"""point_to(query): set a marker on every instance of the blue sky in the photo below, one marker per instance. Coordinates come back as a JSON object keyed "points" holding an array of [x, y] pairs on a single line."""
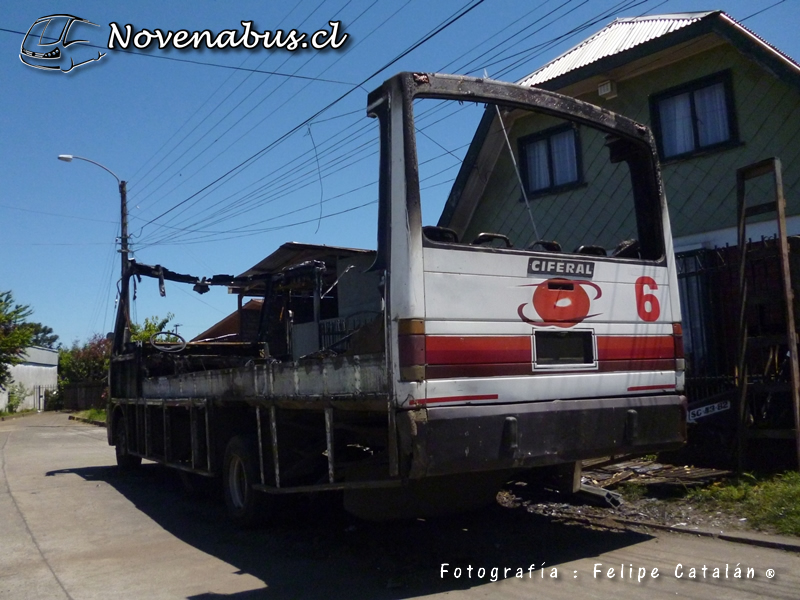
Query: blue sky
{"points": [[215, 183]]}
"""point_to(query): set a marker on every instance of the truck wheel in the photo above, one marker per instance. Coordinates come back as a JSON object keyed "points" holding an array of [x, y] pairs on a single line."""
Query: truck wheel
{"points": [[125, 460], [246, 506]]}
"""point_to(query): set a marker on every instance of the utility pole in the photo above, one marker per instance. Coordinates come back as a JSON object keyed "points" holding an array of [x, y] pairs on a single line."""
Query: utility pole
{"points": [[123, 314], [123, 238], [122, 309]]}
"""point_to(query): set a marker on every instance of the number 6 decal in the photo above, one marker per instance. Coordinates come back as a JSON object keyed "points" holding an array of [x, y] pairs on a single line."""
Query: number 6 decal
{"points": [[647, 304]]}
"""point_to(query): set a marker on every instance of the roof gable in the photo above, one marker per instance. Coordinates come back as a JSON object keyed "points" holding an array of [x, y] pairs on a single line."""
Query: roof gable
{"points": [[624, 40], [617, 37]]}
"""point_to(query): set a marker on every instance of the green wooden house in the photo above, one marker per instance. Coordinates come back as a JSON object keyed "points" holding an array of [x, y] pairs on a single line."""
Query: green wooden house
{"points": [[717, 98]]}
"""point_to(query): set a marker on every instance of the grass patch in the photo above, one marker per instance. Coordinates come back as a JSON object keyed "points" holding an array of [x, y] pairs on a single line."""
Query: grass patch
{"points": [[772, 502], [8, 413], [632, 492], [93, 414]]}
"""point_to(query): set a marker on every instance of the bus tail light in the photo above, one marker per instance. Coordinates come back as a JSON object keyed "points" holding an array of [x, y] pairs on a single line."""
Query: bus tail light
{"points": [[411, 346], [677, 338]]}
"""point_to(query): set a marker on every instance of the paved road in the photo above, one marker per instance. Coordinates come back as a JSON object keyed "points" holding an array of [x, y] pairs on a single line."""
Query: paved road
{"points": [[72, 527]]}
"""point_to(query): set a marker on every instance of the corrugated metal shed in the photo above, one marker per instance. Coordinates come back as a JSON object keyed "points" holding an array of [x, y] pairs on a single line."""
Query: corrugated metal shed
{"points": [[294, 253], [620, 35]]}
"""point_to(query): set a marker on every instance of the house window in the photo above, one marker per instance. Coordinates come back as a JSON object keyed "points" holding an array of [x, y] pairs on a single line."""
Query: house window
{"points": [[695, 117], [551, 159]]}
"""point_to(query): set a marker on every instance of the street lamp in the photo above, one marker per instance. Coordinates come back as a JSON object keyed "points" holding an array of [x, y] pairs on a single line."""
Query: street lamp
{"points": [[123, 196], [121, 327]]}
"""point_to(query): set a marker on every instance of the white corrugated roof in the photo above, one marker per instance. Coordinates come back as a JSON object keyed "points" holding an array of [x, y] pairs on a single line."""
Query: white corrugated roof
{"points": [[620, 35]]}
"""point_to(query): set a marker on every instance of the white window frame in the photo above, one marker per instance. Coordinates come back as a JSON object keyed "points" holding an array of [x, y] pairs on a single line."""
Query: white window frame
{"points": [[543, 170], [695, 117]]}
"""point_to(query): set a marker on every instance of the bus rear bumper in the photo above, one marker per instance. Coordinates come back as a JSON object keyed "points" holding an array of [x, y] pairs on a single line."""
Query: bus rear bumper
{"points": [[480, 437]]}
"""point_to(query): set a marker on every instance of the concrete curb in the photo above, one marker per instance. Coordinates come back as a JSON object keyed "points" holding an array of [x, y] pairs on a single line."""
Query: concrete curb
{"points": [[777, 542], [89, 421]]}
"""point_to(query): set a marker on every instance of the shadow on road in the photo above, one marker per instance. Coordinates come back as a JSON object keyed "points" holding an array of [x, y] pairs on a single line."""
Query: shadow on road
{"points": [[316, 550]]}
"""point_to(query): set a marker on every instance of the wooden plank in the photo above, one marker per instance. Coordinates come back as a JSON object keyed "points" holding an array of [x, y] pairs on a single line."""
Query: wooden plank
{"points": [[614, 479]]}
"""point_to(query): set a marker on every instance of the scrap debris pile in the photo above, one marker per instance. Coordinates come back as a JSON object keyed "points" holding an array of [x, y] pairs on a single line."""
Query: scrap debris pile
{"points": [[600, 504], [607, 473]]}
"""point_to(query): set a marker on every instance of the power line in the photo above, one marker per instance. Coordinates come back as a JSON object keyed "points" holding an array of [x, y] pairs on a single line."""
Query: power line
{"points": [[240, 212], [233, 68], [244, 201], [286, 16], [483, 57], [284, 189], [219, 121], [250, 198], [503, 31], [22, 244], [761, 11], [484, 54], [528, 54], [539, 48], [101, 302], [619, 6], [341, 212], [248, 161], [60, 215], [252, 128], [276, 217]]}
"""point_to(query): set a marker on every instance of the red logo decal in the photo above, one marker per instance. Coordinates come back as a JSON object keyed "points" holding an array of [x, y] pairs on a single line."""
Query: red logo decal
{"points": [[560, 302]]}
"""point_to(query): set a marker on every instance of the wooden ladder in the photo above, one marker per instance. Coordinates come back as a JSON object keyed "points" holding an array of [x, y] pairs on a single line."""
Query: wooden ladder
{"points": [[778, 205]]}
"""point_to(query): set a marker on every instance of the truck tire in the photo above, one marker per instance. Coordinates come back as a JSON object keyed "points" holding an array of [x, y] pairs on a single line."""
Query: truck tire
{"points": [[125, 460], [246, 506]]}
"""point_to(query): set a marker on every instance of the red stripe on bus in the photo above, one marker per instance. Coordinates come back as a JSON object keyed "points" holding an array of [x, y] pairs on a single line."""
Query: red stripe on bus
{"points": [[644, 388], [487, 350], [466, 350], [454, 399], [625, 347]]}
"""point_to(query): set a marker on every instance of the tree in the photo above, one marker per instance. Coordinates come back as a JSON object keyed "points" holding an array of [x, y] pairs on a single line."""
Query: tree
{"points": [[151, 326], [90, 361], [15, 333], [82, 363], [87, 362], [43, 336]]}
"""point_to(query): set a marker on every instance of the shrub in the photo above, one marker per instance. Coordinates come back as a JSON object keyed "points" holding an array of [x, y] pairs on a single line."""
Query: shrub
{"points": [[16, 396], [53, 400]]}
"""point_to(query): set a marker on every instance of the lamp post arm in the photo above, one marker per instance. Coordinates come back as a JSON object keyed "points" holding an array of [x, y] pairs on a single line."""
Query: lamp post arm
{"points": [[99, 165]]}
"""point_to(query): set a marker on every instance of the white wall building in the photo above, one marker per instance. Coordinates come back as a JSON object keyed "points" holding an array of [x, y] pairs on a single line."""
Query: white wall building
{"points": [[38, 372]]}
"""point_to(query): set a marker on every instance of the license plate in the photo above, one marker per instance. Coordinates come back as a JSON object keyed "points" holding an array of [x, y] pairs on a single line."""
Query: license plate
{"points": [[710, 409]]}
